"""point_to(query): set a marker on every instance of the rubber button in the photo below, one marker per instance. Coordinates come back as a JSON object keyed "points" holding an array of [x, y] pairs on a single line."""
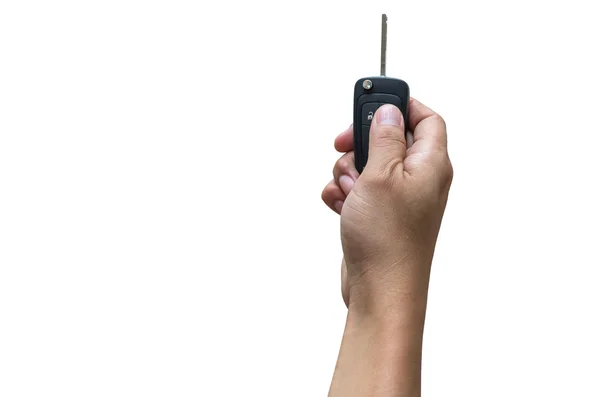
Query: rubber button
{"points": [[368, 112]]}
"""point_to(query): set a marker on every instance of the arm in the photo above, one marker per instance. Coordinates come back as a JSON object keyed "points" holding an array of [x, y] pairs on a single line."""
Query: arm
{"points": [[380, 353]]}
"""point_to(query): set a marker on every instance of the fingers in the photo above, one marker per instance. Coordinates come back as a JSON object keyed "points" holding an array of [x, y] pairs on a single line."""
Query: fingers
{"points": [[333, 197], [410, 139], [387, 143], [345, 173], [345, 141], [427, 126], [344, 177], [417, 112], [430, 144]]}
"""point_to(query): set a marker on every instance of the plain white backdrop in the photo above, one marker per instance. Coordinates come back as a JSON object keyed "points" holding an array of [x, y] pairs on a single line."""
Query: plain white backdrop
{"points": [[161, 165]]}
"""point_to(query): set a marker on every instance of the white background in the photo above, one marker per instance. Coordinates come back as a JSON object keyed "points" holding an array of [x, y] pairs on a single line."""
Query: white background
{"points": [[161, 165]]}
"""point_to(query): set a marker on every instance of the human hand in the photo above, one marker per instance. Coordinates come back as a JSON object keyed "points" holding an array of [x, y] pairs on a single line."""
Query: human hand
{"points": [[391, 215]]}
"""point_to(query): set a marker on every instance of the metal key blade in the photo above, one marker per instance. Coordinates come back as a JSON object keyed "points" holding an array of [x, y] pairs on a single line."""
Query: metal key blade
{"points": [[383, 42]]}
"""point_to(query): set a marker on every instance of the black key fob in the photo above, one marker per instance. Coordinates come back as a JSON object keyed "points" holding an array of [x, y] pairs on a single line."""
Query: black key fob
{"points": [[369, 94]]}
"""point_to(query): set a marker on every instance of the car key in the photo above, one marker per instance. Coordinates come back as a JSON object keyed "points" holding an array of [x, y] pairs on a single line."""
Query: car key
{"points": [[369, 94]]}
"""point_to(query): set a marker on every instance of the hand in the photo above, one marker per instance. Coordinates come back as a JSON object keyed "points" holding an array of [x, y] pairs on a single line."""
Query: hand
{"points": [[391, 215]]}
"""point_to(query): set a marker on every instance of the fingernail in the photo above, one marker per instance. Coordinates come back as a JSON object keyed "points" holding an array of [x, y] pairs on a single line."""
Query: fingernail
{"points": [[388, 115], [338, 206], [346, 183]]}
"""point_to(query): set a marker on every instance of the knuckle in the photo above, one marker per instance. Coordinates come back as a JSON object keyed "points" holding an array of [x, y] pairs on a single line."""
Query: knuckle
{"points": [[379, 179], [324, 194], [446, 168], [450, 173], [344, 164], [439, 119], [389, 132], [328, 192], [388, 136]]}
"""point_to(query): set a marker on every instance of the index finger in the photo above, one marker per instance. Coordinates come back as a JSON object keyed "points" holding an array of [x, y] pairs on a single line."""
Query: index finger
{"points": [[345, 141], [426, 125]]}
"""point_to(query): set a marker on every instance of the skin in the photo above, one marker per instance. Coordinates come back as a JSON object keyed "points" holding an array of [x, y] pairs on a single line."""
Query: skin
{"points": [[390, 220]]}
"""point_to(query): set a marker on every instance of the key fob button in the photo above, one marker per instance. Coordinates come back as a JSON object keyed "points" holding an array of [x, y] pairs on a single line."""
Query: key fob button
{"points": [[393, 100], [368, 111], [365, 141]]}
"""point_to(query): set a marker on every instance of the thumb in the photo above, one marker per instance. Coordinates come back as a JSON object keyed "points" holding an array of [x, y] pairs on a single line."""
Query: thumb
{"points": [[387, 142]]}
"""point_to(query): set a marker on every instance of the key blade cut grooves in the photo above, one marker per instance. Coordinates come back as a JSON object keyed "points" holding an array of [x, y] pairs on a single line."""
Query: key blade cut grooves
{"points": [[383, 42]]}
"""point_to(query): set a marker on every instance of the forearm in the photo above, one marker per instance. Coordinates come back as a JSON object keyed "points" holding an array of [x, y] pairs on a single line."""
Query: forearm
{"points": [[381, 349]]}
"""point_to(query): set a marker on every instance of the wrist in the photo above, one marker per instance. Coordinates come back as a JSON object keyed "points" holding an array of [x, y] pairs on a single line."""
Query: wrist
{"points": [[400, 320], [397, 295]]}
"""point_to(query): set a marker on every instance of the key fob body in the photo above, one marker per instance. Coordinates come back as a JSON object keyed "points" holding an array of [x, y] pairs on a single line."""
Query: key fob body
{"points": [[369, 94]]}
